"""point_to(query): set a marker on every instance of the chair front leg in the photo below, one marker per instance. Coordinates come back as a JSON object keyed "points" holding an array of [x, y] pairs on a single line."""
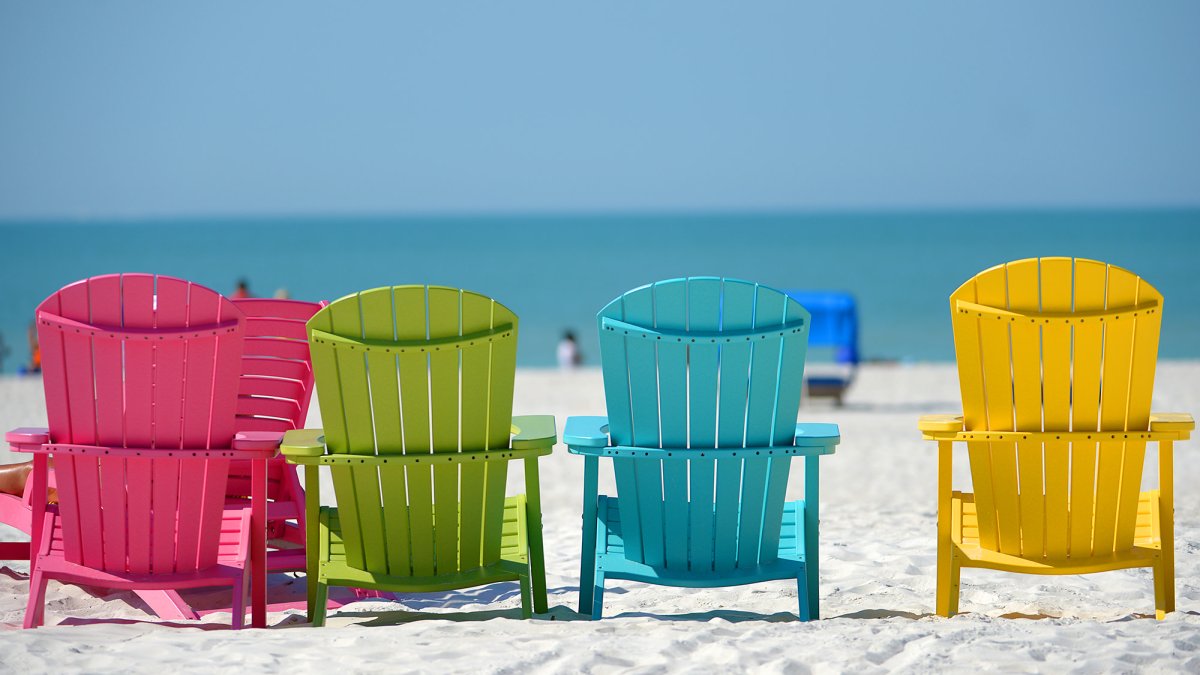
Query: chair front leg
{"points": [[312, 534], [812, 497], [1165, 587], [587, 556], [947, 572], [533, 519]]}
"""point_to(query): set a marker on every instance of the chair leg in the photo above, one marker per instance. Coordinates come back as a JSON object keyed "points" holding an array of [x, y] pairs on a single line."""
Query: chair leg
{"points": [[802, 595], [318, 605], [238, 608], [812, 594], [1164, 571], [598, 595], [533, 519], [588, 581], [310, 588], [812, 557], [35, 608], [1164, 589], [587, 557], [526, 597], [947, 584]]}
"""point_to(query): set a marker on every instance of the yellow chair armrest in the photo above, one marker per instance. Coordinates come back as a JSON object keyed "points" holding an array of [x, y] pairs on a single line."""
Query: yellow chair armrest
{"points": [[1171, 422], [942, 423]]}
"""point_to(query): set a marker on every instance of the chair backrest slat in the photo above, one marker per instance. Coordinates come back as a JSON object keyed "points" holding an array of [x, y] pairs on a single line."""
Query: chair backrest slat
{"points": [[276, 382], [120, 371], [1056, 344], [1056, 296], [693, 364]]}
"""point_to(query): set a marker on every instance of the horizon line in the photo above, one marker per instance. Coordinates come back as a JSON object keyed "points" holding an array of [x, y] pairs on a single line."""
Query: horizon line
{"points": [[61, 219]]}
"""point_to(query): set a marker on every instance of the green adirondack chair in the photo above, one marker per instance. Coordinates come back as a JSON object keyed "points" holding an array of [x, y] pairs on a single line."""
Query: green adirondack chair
{"points": [[415, 385], [702, 379]]}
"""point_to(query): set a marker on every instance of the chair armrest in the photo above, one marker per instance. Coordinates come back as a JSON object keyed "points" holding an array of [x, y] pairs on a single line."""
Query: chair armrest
{"points": [[1171, 422], [27, 439], [28, 436], [533, 431], [943, 423], [256, 440], [812, 434], [588, 432], [299, 443]]}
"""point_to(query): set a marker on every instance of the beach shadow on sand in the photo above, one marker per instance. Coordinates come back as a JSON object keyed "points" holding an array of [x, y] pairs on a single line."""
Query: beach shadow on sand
{"points": [[80, 621], [14, 574], [431, 606], [870, 614], [738, 616], [899, 407]]}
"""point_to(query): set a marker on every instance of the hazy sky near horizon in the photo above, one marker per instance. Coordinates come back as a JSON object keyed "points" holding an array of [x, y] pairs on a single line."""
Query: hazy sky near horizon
{"points": [[122, 109]]}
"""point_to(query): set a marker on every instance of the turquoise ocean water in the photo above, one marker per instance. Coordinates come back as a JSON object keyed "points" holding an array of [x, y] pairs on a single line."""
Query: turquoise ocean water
{"points": [[556, 271]]}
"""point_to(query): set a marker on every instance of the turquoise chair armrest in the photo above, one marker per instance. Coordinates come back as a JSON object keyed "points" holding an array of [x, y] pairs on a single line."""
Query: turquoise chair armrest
{"points": [[586, 431], [533, 431], [299, 444], [817, 434]]}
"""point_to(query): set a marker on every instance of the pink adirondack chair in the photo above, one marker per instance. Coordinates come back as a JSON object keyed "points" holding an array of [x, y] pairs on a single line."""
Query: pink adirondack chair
{"points": [[141, 379], [275, 391], [273, 396]]}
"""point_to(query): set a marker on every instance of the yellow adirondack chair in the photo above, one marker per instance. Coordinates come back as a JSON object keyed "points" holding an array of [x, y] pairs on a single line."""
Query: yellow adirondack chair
{"points": [[1056, 364]]}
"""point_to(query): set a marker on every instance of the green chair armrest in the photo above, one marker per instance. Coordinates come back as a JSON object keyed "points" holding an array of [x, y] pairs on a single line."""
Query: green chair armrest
{"points": [[533, 431], [300, 443]]}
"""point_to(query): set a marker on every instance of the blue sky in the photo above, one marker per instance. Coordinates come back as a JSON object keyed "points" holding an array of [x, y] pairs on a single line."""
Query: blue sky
{"points": [[122, 109]]}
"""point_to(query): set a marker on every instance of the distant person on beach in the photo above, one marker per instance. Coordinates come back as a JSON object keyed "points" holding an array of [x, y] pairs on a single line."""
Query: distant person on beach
{"points": [[242, 290], [569, 355], [35, 354], [282, 294]]}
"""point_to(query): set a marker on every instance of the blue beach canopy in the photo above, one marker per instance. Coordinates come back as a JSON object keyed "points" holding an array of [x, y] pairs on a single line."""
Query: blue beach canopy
{"points": [[834, 322]]}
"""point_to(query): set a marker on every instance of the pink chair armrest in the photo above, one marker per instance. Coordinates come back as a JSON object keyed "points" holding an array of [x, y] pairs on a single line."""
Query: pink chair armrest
{"points": [[257, 440], [35, 436]]}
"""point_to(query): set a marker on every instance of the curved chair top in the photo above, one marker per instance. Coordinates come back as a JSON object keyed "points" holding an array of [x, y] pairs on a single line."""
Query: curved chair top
{"points": [[140, 301], [399, 367], [140, 360], [1051, 287], [668, 305], [703, 362], [411, 313]]}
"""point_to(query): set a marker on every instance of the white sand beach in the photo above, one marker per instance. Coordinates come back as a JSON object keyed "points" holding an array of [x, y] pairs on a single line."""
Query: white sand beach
{"points": [[877, 581]]}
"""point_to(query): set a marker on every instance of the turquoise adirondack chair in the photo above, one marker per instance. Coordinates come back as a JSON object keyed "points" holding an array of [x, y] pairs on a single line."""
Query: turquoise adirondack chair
{"points": [[415, 385], [702, 378]]}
